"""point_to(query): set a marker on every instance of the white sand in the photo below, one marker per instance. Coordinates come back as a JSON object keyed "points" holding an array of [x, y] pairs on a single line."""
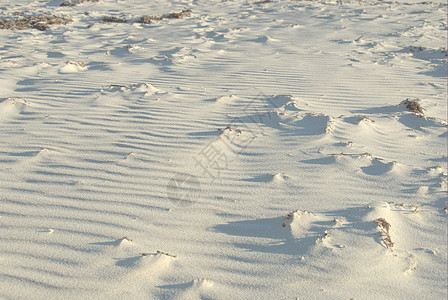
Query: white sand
{"points": [[114, 144]]}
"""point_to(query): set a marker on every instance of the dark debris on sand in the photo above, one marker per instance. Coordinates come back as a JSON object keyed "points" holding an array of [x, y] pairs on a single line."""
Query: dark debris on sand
{"points": [[412, 106], [113, 20], [33, 22], [73, 3], [148, 19]]}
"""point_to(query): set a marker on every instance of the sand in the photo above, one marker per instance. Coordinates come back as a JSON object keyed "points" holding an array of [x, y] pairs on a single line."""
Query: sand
{"points": [[225, 150]]}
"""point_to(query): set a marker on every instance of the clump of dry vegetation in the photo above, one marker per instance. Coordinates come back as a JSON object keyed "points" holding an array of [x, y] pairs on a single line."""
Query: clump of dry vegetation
{"points": [[145, 20], [183, 14], [34, 22], [73, 3], [413, 106], [384, 229], [113, 20], [148, 19]]}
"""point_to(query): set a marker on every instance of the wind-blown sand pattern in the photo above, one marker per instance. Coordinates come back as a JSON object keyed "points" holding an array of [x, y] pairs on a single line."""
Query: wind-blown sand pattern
{"points": [[223, 149]]}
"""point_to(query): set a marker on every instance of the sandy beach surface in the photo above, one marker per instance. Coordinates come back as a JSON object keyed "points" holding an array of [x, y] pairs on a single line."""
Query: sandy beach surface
{"points": [[213, 149]]}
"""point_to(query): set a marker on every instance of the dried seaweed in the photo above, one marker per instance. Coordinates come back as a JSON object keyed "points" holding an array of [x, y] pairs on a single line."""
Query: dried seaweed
{"points": [[73, 3], [148, 19], [183, 14], [413, 106], [113, 20], [145, 20], [384, 228], [34, 22]]}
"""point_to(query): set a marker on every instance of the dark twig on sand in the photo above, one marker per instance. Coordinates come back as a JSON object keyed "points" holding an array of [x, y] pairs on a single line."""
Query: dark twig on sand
{"points": [[159, 253]]}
